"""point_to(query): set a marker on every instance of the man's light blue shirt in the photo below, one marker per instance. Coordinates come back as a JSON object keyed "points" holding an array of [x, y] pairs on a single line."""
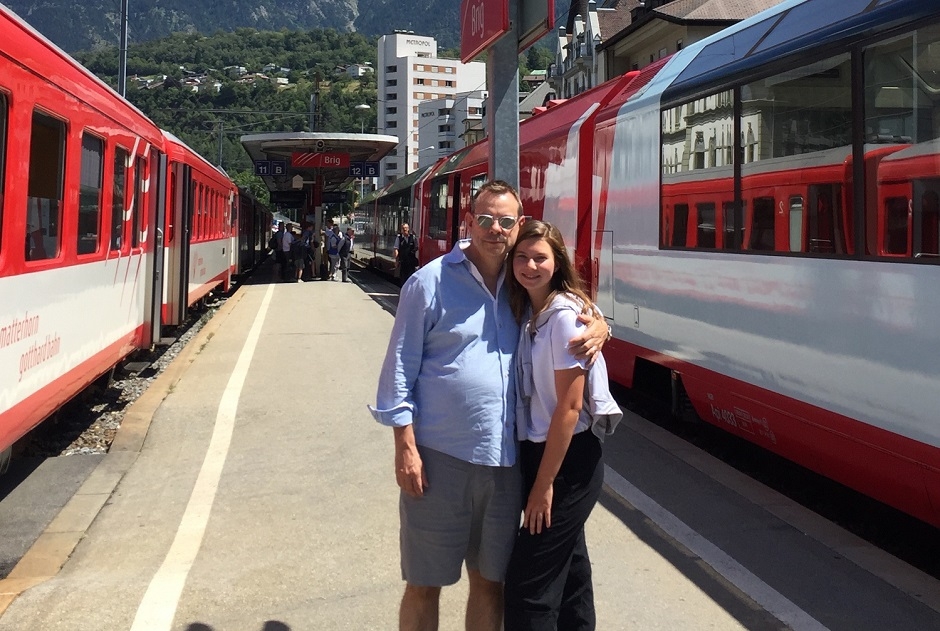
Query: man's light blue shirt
{"points": [[448, 369]]}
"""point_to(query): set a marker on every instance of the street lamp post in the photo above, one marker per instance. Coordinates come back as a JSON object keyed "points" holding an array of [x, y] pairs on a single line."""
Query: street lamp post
{"points": [[363, 110]]}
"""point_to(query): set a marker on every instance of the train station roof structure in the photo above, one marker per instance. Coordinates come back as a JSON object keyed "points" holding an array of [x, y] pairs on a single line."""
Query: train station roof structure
{"points": [[290, 162]]}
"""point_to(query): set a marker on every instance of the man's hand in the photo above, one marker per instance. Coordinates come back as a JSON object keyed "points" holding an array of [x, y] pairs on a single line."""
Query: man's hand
{"points": [[409, 468], [590, 342]]}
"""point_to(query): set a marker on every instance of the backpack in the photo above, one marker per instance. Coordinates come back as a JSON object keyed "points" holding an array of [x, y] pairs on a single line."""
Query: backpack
{"points": [[344, 248]]}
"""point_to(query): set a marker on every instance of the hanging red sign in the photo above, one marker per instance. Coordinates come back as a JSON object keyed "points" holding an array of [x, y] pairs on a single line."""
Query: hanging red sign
{"points": [[321, 159], [482, 22]]}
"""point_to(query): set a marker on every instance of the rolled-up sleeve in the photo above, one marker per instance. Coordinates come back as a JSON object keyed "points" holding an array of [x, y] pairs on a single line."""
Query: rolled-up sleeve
{"points": [[394, 402]]}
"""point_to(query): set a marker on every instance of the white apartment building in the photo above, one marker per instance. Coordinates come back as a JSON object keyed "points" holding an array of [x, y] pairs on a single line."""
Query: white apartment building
{"points": [[409, 73], [442, 123]]}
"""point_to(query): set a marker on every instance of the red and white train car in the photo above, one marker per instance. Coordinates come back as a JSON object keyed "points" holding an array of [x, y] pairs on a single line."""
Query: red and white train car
{"points": [[109, 229], [767, 203]]}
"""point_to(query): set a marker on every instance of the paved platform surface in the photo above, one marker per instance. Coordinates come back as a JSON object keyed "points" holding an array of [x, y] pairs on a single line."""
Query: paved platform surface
{"points": [[250, 490]]}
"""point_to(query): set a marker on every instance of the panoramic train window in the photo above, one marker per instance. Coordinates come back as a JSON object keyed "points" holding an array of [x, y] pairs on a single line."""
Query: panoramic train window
{"points": [[117, 198], [44, 196], [89, 194], [698, 174], [902, 123], [796, 130]]}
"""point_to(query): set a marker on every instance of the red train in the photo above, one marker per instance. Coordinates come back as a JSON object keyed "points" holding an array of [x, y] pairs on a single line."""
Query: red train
{"points": [[757, 216], [110, 229]]}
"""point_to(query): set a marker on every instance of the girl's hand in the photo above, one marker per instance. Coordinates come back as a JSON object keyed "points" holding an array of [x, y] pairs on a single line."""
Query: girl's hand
{"points": [[538, 510]]}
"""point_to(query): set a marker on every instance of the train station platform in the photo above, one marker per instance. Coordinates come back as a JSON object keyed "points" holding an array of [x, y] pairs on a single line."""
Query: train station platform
{"points": [[249, 489]]}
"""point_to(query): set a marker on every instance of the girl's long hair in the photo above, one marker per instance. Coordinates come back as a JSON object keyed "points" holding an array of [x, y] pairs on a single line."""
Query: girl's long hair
{"points": [[564, 280]]}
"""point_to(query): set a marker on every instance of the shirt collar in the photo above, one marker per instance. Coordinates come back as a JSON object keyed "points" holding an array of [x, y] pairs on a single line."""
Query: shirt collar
{"points": [[457, 256]]}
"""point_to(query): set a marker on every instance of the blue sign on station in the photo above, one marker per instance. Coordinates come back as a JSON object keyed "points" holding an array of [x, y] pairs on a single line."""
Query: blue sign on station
{"points": [[263, 167], [363, 169], [278, 167]]}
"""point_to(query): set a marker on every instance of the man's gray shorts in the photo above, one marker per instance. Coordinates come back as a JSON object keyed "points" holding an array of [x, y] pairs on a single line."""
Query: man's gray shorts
{"points": [[468, 513]]}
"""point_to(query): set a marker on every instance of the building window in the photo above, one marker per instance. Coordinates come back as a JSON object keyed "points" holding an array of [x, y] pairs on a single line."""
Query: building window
{"points": [[391, 82], [419, 81], [391, 124], [391, 68], [392, 166], [391, 110], [391, 96]]}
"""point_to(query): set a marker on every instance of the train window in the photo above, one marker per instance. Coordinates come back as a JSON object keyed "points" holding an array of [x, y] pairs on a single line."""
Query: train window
{"points": [[137, 208], [825, 220], [476, 184], [44, 197], [801, 111], [796, 223], [762, 225], [927, 227], [733, 223], [118, 189], [437, 214], [3, 152], [680, 225], [896, 225], [902, 79], [89, 194], [705, 235]]}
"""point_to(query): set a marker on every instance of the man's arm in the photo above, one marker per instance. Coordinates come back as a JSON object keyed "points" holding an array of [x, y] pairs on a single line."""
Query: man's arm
{"points": [[395, 405]]}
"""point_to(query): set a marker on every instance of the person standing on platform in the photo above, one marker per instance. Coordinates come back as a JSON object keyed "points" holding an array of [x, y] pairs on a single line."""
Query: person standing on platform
{"points": [[405, 252], [286, 242], [277, 246], [446, 388], [334, 240], [345, 251], [548, 582]]}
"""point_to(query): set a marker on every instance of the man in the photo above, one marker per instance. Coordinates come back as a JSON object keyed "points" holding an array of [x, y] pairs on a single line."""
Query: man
{"points": [[406, 253], [345, 251], [334, 240], [446, 388], [287, 240]]}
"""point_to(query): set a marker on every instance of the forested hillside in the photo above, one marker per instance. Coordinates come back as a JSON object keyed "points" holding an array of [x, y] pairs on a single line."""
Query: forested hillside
{"points": [[91, 24], [211, 90]]}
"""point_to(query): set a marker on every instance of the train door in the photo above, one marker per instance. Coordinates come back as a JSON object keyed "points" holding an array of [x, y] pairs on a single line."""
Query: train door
{"points": [[157, 223], [456, 216], [176, 253]]}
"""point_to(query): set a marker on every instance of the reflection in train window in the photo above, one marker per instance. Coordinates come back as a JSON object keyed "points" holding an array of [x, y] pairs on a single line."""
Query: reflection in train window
{"points": [[895, 233], [680, 225], [733, 220], [117, 198], [825, 220], [927, 226], [44, 196], [762, 225], [796, 224], [89, 194], [705, 235]]}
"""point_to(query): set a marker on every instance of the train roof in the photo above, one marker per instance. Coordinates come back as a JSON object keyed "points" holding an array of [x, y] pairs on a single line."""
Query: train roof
{"points": [[66, 59], [791, 30]]}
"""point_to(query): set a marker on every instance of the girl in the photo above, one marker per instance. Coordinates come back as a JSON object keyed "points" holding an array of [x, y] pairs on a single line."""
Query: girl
{"points": [[548, 584]]}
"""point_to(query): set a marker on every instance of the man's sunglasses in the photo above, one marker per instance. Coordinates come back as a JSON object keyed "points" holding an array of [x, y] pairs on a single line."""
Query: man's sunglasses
{"points": [[486, 221]]}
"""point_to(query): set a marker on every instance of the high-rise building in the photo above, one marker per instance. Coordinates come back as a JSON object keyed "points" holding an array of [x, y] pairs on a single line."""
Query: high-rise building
{"points": [[409, 73]]}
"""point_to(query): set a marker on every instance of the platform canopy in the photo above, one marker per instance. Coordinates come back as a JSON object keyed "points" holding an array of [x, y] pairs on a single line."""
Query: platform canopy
{"points": [[333, 157]]}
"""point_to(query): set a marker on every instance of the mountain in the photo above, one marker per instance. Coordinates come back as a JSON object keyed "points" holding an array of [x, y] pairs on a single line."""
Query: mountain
{"points": [[92, 24]]}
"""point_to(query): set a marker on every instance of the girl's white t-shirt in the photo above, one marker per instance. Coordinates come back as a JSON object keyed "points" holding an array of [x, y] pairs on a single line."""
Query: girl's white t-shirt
{"points": [[550, 353]]}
